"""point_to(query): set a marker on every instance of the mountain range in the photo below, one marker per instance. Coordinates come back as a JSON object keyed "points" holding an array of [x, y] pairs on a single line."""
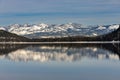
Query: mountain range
{"points": [[59, 30]]}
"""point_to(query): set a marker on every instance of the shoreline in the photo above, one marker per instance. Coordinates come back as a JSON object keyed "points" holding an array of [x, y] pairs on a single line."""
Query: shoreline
{"points": [[78, 42]]}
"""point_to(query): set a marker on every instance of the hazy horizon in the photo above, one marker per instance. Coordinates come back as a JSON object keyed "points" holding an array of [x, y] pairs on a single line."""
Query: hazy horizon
{"points": [[59, 11]]}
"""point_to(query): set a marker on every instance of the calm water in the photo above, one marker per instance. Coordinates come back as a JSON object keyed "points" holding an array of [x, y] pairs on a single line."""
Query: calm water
{"points": [[60, 62]]}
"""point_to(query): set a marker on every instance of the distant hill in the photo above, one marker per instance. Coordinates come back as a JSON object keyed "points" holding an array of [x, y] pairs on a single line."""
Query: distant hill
{"points": [[10, 37], [113, 36], [59, 30]]}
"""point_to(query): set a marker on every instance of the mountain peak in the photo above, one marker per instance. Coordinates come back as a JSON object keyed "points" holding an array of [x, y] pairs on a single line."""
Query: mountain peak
{"points": [[59, 30], [2, 28], [43, 25]]}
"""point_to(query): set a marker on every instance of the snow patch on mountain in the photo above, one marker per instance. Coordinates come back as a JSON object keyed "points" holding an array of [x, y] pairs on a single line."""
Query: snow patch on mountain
{"points": [[2, 28], [59, 30], [114, 27], [101, 27]]}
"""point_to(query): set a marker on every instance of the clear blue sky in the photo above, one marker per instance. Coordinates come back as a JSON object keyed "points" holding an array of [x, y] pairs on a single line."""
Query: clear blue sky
{"points": [[59, 11]]}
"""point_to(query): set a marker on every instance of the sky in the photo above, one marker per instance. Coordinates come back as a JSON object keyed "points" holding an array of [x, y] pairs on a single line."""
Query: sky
{"points": [[59, 11]]}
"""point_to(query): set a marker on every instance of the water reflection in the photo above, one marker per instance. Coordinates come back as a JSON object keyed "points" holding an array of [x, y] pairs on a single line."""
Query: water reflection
{"points": [[63, 52]]}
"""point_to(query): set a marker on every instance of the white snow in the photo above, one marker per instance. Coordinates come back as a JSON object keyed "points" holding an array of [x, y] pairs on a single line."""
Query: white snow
{"points": [[2, 28], [58, 30], [114, 27], [101, 27], [94, 34]]}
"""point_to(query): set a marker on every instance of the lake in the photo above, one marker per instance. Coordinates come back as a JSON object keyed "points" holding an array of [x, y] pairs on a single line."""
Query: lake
{"points": [[60, 62]]}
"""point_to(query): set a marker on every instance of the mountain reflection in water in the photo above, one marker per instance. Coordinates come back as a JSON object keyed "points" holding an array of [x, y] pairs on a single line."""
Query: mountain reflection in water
{"points": [[63, 52]]}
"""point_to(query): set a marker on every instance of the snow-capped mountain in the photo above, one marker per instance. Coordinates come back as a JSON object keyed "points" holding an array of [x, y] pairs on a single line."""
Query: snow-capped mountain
{"points": [[59, 30], [2, 28]]}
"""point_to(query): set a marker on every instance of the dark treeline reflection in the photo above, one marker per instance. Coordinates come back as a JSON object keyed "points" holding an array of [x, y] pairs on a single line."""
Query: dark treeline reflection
{"points": [[59, 52], [7, 48]]}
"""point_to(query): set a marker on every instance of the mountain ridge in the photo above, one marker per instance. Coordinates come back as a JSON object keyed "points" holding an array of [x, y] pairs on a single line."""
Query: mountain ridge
{"points": [[11, 37], [59, 30]]}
